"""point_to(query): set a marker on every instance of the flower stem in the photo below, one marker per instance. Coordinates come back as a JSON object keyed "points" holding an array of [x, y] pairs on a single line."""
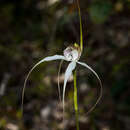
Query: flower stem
{"points": [[76, 102], [81, 30]]}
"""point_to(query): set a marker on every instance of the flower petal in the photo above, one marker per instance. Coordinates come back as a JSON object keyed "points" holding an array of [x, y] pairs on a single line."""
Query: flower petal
{"points": [[55, 57], [85, 65], [68, 73], [49, 58], [59, 91]]}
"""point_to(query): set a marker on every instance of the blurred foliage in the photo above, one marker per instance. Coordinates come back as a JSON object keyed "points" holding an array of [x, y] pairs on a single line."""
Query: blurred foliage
{"points": [[100, 11], [33, 29]]}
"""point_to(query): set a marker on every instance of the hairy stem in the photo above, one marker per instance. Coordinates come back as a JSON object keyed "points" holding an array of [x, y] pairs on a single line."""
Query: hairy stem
{"points": [[76, 102]]}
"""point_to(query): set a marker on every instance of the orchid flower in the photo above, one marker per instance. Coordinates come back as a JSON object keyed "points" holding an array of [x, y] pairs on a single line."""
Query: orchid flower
{"points": [[71, 54]]}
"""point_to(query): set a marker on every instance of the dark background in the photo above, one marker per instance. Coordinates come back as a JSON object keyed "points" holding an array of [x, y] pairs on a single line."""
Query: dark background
{"points": [[33, 29]]}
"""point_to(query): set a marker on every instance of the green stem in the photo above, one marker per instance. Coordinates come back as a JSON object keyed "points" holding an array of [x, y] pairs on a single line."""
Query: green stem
{"points": [[81, 32], [76, 102]]}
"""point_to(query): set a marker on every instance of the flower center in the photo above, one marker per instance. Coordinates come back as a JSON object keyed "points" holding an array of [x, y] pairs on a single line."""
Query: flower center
{"points": [[72, 53]]}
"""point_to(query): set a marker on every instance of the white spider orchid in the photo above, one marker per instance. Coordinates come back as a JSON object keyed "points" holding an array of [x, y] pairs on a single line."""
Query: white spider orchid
{"points": [[71, 54]]}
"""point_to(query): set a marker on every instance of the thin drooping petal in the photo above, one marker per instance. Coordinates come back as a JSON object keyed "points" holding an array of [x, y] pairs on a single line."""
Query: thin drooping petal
{"points": [[68, 73], [59, 91], [49, 58], [85, 65]]}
